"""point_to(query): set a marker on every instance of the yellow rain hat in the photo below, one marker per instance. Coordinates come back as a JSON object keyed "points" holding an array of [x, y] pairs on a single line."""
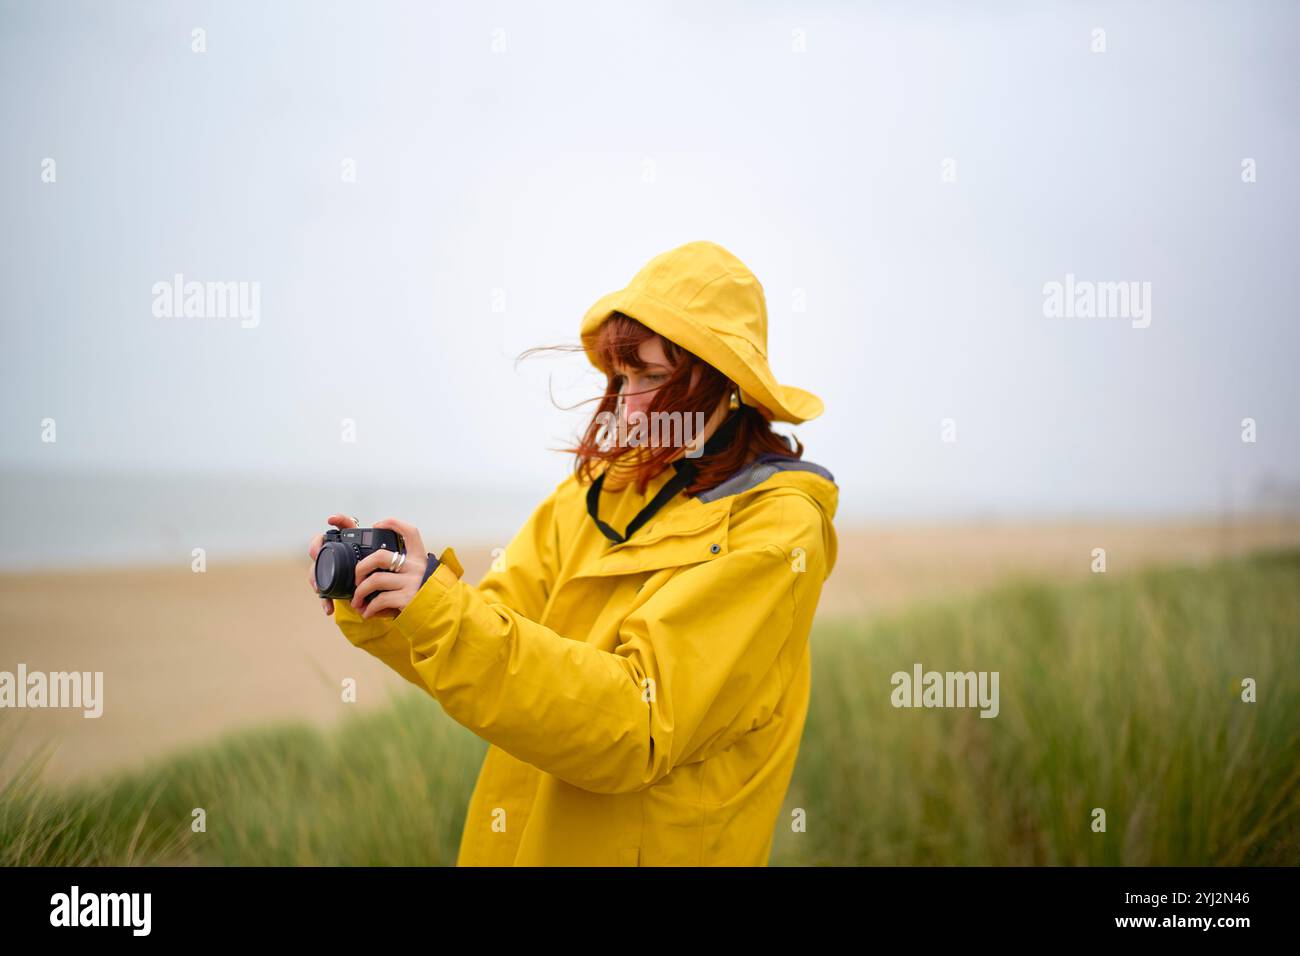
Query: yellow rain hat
{"points": [[702, 298]]}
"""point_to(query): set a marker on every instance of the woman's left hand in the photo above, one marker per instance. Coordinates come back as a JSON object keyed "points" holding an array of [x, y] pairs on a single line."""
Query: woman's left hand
{"points": [[395, 590]]}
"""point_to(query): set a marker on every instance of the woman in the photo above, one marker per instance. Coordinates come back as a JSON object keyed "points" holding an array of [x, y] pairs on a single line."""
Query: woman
{"points": [[639, 662]]}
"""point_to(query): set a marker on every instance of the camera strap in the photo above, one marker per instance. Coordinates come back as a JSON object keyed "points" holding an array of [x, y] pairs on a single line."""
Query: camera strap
{"points": [[686, 468]]}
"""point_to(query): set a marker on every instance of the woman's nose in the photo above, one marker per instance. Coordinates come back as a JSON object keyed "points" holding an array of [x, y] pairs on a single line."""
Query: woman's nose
{"points": [[638, 402]]}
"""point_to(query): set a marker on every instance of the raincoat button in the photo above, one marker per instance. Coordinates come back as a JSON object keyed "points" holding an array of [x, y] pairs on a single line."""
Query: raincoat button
{"points": [[714, 548]]}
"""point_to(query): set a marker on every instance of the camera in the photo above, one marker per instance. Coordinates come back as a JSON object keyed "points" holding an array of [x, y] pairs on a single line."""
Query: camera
{"points": [[342, 550]]}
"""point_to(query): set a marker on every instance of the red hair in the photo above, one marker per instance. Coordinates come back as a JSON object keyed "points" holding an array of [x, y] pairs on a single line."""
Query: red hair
{"points": [[618, 341]]}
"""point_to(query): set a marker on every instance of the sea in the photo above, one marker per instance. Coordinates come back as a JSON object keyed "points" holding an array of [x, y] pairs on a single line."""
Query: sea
{"points": [[118, 519]]}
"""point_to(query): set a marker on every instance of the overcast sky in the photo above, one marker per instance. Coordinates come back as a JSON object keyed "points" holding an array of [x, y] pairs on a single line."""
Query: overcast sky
{"points": [[902, 178]]}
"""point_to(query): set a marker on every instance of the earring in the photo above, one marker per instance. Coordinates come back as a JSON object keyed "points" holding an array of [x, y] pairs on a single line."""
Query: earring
{"points": [[735, 399]]}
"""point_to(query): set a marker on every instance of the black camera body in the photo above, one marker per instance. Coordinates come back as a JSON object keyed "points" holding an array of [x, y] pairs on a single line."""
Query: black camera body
{"points": [[341, 552]]}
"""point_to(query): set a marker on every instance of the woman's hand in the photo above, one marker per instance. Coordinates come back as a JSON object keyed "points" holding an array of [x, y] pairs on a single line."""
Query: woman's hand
{"points": [[393, 591], [396, 589], [313, 549]]}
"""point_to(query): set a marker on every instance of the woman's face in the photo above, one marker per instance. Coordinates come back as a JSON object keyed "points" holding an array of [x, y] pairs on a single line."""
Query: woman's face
{"points": [[646, 381]]}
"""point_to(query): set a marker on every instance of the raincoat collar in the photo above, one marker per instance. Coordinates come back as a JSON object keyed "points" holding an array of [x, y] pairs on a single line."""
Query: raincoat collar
{"points": [[689, 532], [685, 470], [697, 529]]}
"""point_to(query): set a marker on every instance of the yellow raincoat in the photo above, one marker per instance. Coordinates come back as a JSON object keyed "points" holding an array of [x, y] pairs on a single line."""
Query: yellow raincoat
{"points": [[644, 700]]}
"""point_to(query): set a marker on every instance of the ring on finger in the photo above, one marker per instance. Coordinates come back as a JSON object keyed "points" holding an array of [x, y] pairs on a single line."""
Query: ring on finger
{"points": [[401, 562]]}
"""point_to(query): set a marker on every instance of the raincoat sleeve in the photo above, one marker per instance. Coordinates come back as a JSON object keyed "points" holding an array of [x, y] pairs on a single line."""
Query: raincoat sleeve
{"points": [[687, 662], [520, 578]]}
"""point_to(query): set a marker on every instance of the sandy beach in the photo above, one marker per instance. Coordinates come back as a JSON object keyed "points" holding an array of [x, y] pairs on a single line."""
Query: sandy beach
{"points": [[188, 656]]}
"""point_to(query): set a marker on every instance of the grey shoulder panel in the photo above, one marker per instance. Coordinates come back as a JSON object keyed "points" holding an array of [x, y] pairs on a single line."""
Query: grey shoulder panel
{"points": [[758, 472]]}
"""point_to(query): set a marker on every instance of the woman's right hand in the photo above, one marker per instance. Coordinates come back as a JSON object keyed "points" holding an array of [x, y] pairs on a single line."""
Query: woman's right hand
{"points": [[313, 549]]}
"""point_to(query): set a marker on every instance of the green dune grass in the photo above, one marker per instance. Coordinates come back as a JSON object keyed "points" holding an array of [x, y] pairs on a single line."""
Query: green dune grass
{"points": [[1119, 693]]}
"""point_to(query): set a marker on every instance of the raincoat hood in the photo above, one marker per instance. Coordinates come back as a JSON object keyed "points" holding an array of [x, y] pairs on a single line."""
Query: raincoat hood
{"points": [[704, 299]]}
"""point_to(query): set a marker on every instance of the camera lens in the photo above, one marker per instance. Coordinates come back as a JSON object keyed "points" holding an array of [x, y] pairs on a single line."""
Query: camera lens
{"points": [[335, 571]]}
